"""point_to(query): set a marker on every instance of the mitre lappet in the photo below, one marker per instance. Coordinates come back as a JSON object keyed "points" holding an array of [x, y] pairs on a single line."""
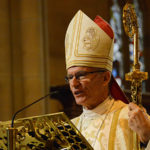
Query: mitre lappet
{"points": [[90, 43]]}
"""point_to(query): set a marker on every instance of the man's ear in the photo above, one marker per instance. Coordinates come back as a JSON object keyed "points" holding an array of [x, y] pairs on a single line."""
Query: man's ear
{"points": [[107, 77]]}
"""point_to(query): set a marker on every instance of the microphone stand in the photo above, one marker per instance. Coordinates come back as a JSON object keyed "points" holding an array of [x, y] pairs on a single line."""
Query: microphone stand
{"points": [[12, 131], [11, 138]]}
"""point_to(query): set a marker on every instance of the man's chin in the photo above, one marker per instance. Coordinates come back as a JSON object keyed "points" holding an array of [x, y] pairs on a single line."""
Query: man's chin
{"points": [[80, 101]]}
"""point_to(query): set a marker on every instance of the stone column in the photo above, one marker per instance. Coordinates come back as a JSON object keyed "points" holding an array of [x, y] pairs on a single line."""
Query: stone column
{"points": [[24, 58], [6, 95]]}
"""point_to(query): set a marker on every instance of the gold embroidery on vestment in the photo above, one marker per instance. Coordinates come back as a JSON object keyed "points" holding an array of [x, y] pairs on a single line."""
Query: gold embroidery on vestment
{"points": [[112, 134]]}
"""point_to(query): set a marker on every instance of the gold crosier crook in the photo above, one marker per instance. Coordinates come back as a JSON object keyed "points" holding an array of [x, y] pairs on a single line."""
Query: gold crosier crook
{"points": [[135, 76]]}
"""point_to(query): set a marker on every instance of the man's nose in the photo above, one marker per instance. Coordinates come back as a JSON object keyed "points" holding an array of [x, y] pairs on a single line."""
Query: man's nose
{"points": [[74, 82]]}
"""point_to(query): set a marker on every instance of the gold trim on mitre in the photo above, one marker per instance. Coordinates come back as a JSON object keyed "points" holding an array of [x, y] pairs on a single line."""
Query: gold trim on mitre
{"points": [[87, 44]]}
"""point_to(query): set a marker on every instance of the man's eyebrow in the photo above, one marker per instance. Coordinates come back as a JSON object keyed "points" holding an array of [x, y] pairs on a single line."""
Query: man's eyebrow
{"points": [[70, 74], [80, 71]]}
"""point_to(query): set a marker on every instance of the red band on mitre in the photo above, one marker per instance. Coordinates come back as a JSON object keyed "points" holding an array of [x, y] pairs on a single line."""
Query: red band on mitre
{"points": [[104, 26], [115, 89]]}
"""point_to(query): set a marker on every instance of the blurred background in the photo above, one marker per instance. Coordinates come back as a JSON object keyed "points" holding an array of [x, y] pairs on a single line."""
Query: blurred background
{"points": [[32, 60]]}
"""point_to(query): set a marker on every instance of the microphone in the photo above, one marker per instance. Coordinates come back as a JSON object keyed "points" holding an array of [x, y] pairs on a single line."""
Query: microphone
{"points": [[36, 101]]}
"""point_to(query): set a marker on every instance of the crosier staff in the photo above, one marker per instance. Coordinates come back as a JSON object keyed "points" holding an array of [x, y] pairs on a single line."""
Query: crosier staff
{"points": [[135, 76]]}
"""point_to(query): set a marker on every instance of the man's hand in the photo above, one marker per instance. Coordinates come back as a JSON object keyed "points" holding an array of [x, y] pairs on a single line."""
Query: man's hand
{"points": [[139, 122]]}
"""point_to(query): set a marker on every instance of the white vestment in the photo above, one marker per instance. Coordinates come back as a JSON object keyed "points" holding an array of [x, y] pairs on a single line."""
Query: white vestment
{"points": [[106, 126]]}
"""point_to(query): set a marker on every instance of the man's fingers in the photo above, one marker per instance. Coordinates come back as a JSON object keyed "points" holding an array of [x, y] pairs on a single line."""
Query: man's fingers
{"points": [[132, 106]]}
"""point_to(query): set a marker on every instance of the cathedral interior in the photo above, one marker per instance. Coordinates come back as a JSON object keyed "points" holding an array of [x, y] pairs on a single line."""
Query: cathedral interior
{"points": [[32, 52]]}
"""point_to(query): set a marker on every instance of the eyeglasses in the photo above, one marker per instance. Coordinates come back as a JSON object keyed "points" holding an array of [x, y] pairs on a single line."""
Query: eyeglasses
{"points": [[81, 75]]}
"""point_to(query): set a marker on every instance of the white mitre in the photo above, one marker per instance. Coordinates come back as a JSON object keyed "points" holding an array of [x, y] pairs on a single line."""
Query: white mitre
{"points": [[89, 43]]}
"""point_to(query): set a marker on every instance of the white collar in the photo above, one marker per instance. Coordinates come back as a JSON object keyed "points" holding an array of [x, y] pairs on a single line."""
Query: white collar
{"points": [[100, 109]]}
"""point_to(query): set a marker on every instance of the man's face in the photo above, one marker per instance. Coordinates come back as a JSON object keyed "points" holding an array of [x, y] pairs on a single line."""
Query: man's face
{"points": [[89, 89]]}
